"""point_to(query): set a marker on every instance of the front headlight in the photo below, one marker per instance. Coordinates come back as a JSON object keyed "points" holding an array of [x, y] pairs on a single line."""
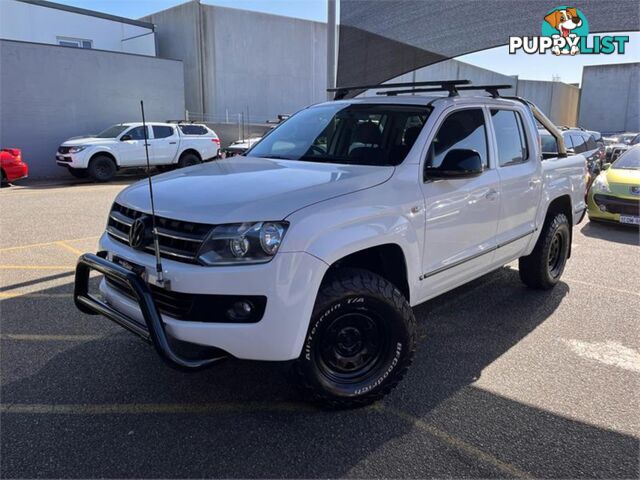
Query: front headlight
{"points": [[77, 148], [601, 185], [239, 243]]}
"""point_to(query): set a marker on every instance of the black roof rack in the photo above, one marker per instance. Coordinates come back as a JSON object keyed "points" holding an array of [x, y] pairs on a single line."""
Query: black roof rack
{"points": [[453, 91], [182, 121], [448, 85]]}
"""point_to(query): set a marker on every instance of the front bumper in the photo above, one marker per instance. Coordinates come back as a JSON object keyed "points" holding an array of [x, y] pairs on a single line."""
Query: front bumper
{"points": [[72, 160], [628, 207], [289, 282]]}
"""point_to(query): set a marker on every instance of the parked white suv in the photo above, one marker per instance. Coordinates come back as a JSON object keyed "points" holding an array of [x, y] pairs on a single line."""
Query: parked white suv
{"points": [[122, 146], [316, 244]]}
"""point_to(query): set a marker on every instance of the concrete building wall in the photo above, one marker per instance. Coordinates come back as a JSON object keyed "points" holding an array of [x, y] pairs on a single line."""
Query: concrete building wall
{"points": [[610, 100], [559, 101], [49, 94], [177, 35], [41, 24], [237, 60]]}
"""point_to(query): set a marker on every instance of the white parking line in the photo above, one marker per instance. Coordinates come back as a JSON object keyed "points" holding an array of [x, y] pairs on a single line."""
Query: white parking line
{"points": [[609, 353]]}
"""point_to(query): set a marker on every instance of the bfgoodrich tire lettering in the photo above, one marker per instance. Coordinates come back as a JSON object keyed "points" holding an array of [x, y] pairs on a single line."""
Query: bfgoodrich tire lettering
{"points": [[360, 341]]}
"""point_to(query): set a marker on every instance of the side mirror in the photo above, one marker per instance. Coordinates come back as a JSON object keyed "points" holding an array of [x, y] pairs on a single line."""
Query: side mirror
{"points": [[126, 137], [606, 166], [570, 151], [457, 163]]}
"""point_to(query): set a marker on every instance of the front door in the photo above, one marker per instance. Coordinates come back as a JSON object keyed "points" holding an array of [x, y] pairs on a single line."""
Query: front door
{"points": [[132, 151], [461, 214]]}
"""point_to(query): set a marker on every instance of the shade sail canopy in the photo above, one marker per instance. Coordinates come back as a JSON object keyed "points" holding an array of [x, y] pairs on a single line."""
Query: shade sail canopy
{"points": [[380, 40]]}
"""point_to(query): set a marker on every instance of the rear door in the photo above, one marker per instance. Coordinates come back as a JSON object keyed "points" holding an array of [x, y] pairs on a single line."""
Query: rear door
{"points": [[520, 172], [164, 144], [131, 148], [461, 214]]}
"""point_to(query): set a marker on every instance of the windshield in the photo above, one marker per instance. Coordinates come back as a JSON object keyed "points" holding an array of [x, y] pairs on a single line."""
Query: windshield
{"points": [[629, 160], [627, 139], [360, 134], [112, 132]]}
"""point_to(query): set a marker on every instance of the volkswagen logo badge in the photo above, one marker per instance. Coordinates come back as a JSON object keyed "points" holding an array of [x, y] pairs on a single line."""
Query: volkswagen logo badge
{"points": [[635, 190], [139, 233]]}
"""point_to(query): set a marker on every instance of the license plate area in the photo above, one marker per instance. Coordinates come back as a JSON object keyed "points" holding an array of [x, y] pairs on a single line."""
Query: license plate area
{"points": [[629, 220], [139, 270]]}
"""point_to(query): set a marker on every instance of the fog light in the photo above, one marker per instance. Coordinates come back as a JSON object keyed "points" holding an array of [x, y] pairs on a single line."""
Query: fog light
{"points": [[602, 208], [240, 311]]}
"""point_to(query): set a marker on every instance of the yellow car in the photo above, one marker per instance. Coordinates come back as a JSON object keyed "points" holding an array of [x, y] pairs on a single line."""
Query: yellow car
{"points": [[615, 193]]}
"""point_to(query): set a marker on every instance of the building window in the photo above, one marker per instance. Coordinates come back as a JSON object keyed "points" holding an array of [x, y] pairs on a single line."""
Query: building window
{"points": [[74, 42]]}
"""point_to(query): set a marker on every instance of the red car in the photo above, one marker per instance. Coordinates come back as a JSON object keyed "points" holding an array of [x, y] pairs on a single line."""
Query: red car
{"points": [[13, 168]]}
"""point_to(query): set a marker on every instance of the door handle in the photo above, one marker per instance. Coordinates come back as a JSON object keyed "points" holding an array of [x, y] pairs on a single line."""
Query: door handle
{"points": [[172, 143], [533, 182], [492, 194], [147, 144]]}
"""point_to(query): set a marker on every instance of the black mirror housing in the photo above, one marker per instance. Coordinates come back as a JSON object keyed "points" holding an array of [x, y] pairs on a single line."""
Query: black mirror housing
{"points": [[457, 163], [125, 137]]}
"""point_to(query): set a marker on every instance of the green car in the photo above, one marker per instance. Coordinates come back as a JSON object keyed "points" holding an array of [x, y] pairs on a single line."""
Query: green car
{"points": [[615, 193]]}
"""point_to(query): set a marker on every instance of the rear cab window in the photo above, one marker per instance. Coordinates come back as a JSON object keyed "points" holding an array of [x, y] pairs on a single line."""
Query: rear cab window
{"points": [[511, 138], [162, 131]]}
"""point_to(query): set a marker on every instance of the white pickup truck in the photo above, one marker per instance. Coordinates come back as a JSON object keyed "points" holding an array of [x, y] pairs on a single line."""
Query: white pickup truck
{"points": [[122, 146], [317, 243]]}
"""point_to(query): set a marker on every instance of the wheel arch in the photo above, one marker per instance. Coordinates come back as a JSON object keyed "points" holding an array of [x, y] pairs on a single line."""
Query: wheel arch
{"points": [[104, 153], [561, 204], [190, 150], [387, 260]]}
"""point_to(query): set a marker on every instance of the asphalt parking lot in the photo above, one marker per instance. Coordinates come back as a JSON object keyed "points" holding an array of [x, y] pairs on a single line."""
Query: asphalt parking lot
{"points": [[507, 382]]}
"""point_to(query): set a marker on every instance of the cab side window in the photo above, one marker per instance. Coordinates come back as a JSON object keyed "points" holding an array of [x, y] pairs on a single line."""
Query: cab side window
{"points": [[137, 133], [464, 129], [579, 144], [591, 143], [161, 131], [510, 137]]}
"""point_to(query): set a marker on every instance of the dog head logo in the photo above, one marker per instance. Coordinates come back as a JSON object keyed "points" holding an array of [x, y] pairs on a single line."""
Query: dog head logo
{"points": [[567, 23], [564, 20]]}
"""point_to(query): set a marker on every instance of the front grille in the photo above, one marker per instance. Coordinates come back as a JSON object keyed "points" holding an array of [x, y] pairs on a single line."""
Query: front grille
{"points": [[175, 304], [64, 150], [198, 307], [618, 205], [179, 241]]}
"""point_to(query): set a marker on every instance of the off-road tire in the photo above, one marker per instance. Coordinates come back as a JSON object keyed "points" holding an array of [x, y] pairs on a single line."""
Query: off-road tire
{"points": [[361, 298], [102, 168], [188, 160], [543, 268], [78, 172]]}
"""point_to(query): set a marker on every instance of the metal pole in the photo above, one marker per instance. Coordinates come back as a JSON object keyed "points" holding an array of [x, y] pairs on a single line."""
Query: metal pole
{"points": [[331, 46]]}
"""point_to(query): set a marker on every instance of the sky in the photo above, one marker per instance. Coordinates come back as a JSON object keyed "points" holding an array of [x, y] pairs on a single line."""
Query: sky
{"points": [[531, 67]]}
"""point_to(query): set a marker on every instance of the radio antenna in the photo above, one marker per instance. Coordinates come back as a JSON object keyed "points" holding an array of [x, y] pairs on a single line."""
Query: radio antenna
{"points": [[156, 243]]}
